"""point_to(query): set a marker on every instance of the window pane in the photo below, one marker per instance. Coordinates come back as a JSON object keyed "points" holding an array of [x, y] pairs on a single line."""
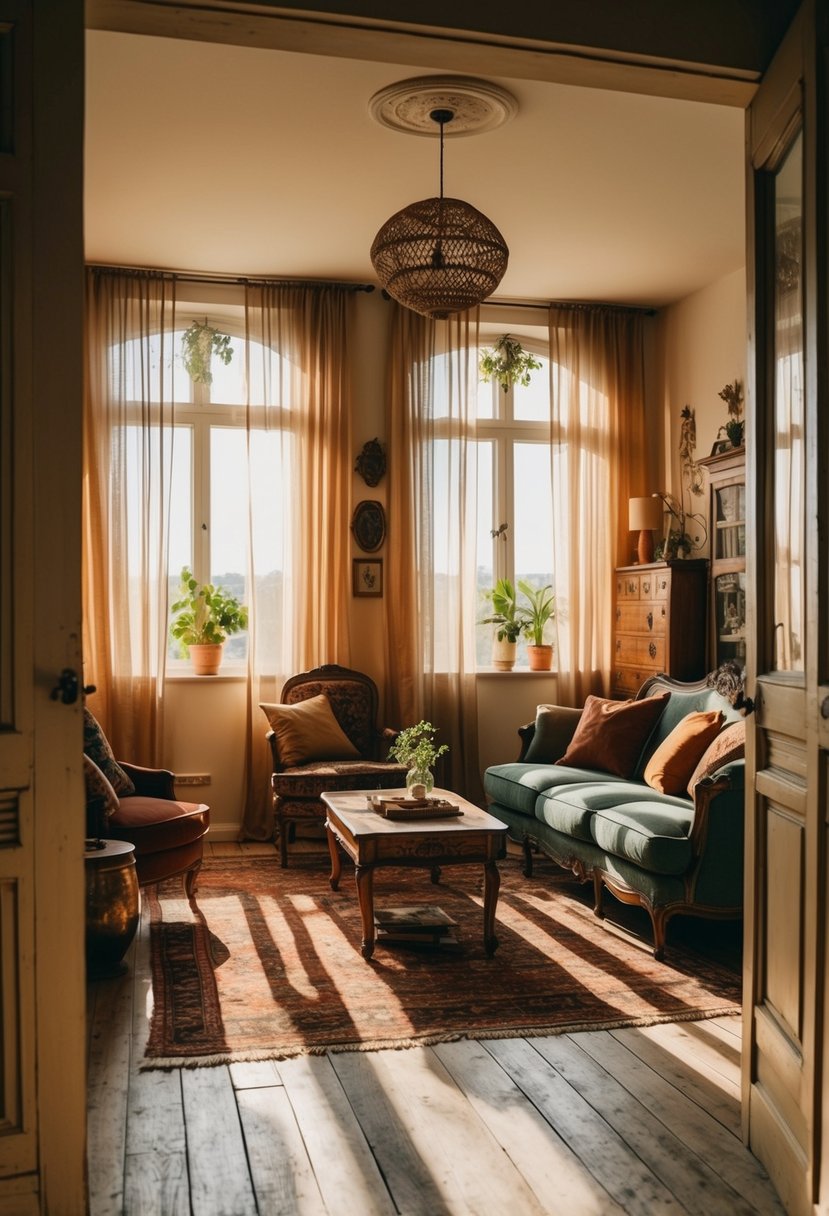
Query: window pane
{"points": [[228, 386], [486, 399], [533, 514], [143, 370], [789, 415], [532, 403], [486, 543]]}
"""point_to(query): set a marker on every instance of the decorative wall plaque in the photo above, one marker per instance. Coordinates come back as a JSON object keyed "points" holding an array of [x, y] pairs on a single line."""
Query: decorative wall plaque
{"points": [[368, 524], [371, 463]]}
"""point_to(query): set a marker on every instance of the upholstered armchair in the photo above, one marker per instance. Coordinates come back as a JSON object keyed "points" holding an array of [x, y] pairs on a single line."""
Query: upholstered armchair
{"points": [[139, 805], [324, 736]]}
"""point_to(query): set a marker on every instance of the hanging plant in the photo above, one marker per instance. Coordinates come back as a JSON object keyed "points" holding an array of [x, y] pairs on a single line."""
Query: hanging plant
{"points": [[508, 362], [199, 343]]}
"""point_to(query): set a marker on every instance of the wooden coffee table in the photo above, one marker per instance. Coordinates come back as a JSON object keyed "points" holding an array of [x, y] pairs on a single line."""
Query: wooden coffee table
{"points": [[370, 841]]}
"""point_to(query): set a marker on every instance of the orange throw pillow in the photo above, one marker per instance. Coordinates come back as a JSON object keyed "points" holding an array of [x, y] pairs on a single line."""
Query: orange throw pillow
{"points": [[678, 755], [308, 730], [611, 734]]}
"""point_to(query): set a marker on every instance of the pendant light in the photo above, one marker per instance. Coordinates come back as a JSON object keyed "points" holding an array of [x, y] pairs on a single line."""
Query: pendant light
{"points": [[441, 255]]}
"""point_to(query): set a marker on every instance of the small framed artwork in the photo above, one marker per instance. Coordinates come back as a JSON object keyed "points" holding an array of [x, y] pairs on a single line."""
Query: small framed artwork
{"points": [[367, 576]]}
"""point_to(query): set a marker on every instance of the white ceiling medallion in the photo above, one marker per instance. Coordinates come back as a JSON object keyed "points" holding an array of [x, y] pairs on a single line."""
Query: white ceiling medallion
{"points": [[476, 105]]}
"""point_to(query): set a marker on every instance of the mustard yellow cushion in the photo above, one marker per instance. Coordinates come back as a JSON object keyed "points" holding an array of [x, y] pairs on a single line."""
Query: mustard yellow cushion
{"points": [[308, 731], [611, 734], [671, 765], [730, 744]]}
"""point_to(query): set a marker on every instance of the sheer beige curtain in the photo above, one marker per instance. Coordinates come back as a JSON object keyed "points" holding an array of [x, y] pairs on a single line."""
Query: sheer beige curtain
{"points": [[431, 603], [298, 461], [599, 461], [128, 452]]}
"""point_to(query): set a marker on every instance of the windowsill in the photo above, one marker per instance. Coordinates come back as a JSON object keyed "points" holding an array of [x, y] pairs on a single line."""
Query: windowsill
{"points": [[516, 671], [187, 677]]}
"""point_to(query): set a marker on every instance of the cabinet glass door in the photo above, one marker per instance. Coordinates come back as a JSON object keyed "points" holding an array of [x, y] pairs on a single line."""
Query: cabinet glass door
{"points": [[730, 616], [730, 521]]}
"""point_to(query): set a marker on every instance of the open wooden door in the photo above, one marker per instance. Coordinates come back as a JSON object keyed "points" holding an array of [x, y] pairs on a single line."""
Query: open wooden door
{"points": [[42, 1031], [788, 499]]}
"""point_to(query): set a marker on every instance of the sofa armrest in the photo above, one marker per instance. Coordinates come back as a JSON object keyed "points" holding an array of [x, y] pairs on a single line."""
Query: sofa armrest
{"points": [[721, 791], [150, 782]]}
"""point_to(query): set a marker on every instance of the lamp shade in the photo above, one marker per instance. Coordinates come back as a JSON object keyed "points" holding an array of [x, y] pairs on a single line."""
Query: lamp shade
{"points": [[439, 256], [644, 514]]}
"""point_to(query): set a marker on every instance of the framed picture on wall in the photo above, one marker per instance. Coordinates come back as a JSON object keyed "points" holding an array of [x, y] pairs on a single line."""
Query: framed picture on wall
{"points": [[367, 576]]}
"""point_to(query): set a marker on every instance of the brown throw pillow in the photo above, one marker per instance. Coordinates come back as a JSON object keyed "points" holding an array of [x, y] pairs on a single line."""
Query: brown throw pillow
{"points": [[611, 734], [554, 728], [677, 756], [308, 731], [730, 744]]}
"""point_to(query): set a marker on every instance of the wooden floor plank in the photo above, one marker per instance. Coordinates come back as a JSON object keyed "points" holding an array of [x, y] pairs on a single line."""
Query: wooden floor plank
{"points": [[343, 1164], [156, 1183], [282, 1175], [556, 1175], [256, 1074], [110, 1048], [434, 1152], [725, 1153], [220, 1183], [644, 1109], [695, 1078], [709, 1044], [601, 1149]]}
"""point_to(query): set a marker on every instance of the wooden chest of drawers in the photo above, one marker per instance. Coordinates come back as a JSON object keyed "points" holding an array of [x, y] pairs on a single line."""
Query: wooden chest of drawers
{"points": [[660, 620]]}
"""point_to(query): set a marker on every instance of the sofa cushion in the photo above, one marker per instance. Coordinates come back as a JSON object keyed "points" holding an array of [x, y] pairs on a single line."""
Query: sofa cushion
{"points": [[308, 731], [96, 746], [729, 744], [570, 808], [653, 834], [155, 825], [611, 734], [311, 780], [518, 785], [555, 726], [676, 757]]}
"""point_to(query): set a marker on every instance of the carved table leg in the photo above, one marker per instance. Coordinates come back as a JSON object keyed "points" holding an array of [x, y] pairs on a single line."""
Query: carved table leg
{"points": [[336, 860], [492, 884], [364, 876]]}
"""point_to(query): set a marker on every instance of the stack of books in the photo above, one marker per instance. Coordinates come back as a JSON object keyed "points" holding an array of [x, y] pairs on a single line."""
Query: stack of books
{"points": [[415, 925]]}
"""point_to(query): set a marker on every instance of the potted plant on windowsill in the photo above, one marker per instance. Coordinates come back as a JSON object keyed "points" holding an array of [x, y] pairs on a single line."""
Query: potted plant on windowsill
{"points": [[542, 609], [508, 619], [204, 616]]}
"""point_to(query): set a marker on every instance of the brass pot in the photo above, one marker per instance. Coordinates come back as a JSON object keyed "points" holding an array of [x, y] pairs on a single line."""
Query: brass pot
{"points": [[112, 905]]}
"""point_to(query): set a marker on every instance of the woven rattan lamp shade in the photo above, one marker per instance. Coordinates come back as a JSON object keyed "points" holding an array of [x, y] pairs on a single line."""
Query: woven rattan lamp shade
{"points": [[439, 256]]}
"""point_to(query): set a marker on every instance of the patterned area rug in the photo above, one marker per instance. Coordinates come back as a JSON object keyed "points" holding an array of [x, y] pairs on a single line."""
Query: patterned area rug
{"points": [[270, 966]]}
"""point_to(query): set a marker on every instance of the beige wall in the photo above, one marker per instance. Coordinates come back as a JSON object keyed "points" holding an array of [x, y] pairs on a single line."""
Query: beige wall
{"points": [[701, 347], [692, 350]]}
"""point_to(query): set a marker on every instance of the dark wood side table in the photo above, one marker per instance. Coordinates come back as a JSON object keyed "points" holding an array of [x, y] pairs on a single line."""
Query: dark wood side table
{"points": [[370, 841]]}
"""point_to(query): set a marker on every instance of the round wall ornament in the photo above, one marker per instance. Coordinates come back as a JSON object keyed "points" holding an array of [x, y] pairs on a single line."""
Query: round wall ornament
{"points": [[368, 524]]}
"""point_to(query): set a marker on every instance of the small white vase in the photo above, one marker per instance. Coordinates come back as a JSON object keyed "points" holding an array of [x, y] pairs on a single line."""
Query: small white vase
{"points": [[503, 654]]}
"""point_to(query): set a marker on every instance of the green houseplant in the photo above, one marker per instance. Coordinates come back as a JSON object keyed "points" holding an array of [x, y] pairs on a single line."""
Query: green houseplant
{"points": [[541, 610], [732, 395], [204, 616], [415, 746], [508, 619], [508, 362], [199, 342]]}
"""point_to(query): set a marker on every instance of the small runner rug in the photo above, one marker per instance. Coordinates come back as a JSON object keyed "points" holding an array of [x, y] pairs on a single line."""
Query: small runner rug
{"points": [[269, 965]]}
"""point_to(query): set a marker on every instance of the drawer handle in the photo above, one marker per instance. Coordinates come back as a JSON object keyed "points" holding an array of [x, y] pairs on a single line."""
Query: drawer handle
{"points": [[631, 586], [649, 619], [618, 614], [646, 587], [619, 647], [652, 650], [663, 613]]}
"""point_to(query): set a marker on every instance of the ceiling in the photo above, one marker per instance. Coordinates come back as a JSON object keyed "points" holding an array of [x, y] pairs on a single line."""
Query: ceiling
{"points": [[247, 161]]}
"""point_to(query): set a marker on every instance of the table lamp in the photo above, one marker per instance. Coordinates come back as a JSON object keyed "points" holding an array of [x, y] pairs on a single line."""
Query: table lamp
{"points": [[644, 516]]}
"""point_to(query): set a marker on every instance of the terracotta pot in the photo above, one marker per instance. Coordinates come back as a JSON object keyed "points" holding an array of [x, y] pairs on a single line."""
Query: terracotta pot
{"points": [[206, 659], [541, 658], [503, 654]]}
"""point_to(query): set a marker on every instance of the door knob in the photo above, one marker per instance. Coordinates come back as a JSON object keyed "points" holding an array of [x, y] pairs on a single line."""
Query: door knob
{"points": [[67, 688]]}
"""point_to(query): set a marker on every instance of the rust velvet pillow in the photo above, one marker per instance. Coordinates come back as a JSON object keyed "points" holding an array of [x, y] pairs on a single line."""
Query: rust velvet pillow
{"points": [[611, 734], [730, 744], [671, 765], [308, 731]]}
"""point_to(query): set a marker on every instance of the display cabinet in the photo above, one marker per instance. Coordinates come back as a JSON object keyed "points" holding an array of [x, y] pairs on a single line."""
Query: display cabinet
{"points": [[727, 537]]}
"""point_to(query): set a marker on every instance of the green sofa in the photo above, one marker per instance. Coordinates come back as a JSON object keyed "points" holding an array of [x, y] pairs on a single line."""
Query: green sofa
{"points": [[669, 853]]}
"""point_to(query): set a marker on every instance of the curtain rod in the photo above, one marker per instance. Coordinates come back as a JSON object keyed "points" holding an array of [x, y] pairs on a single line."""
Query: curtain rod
{"points": [[186, 276], [575, 305]]}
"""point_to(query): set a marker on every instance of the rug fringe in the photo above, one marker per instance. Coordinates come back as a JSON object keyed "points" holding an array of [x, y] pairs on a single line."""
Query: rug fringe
{"points": [[260, 1056]]}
